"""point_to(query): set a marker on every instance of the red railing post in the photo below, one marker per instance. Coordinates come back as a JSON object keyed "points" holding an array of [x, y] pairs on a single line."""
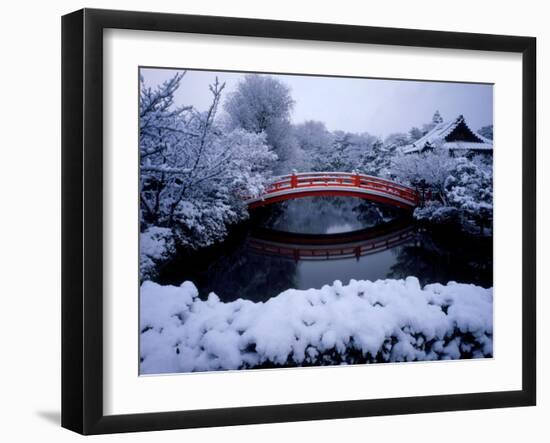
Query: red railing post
{"points": [[293, 180], [357, 179]]}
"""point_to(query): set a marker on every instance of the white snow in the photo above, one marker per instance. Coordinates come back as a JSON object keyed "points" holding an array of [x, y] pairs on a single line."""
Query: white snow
{"points": [[364, 321]]}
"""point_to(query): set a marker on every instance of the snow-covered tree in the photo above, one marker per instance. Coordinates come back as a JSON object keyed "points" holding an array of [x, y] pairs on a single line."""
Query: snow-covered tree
{"points": [[469, 189], [397, 139], [195, 172], [163, 129], [347, 152], [486, 131], [436, 119], [428, 170], [415, 134], [375, 160], [457, 189], [262, 104], [313, 136], [280, 137], [160, 124], [258, 101]]}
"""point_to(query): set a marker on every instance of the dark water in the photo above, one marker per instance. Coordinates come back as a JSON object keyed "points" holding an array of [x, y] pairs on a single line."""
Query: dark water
{"points": [[310, 242]]}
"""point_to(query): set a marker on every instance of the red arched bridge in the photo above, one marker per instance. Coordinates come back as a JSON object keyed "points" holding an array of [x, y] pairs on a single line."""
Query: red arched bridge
{"points": [[350, 184]]}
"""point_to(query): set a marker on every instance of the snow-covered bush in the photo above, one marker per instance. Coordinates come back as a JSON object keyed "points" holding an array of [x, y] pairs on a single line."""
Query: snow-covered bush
{"points": [[429, 169], [458, 190], [435, 212], [363, 322], [469, 189], [202, 222], [156, 246]]}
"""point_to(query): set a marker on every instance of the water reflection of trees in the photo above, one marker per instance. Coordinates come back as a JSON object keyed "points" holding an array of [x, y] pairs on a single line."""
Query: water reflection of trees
{"points": [[249, 275], [444, 257], [318, 215], [233, 271], [373, 214]]}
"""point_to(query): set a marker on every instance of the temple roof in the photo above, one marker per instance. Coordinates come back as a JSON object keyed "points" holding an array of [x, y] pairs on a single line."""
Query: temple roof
{"points": [[453, 135]]}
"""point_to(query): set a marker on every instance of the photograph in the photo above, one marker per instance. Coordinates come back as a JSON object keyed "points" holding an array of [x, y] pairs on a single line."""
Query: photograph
{"points": [[292, 220], [233, 222]]}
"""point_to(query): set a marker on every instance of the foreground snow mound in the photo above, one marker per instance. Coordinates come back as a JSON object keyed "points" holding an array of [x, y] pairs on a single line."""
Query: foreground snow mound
{"points": [[382, 321]]}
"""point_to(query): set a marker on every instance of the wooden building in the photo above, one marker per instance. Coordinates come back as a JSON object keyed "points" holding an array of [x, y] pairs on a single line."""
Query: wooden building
{"points": [[454, 136]]}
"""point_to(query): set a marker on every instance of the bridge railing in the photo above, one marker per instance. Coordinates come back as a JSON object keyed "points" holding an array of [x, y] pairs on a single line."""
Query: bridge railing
{"points": [[341, 179]]}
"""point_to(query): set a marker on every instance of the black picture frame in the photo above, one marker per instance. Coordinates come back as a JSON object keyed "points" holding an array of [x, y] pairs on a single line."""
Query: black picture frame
{"points": [[82, 218]]}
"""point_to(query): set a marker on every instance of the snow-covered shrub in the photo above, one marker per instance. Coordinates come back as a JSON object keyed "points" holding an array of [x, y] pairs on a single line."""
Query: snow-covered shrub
{"points": [[469, 189], [363, 322], [435, 212], [200, 223], [460, 190], [156, 246], [429, 169]]}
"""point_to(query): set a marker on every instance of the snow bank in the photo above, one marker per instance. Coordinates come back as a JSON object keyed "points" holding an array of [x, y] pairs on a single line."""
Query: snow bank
{"points": [[382, 321]]}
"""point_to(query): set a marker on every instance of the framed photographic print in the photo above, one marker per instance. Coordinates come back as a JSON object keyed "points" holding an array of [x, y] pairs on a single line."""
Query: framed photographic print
{"points": [[270, 221]]}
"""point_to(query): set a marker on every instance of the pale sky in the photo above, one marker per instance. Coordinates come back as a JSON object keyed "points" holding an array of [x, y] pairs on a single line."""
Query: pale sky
{"points": [[376, 106]]}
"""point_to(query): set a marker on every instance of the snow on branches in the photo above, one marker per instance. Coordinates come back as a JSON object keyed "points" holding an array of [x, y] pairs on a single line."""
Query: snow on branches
{"points": [[460, 189], [195, 170]]}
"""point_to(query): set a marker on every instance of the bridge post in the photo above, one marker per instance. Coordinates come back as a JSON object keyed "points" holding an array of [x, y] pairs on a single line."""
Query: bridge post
{"points": [[357, 179], [293, 180], [421, 189], [357, 252]]}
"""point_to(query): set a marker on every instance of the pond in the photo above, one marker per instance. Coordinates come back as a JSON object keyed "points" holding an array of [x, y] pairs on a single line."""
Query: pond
{"points": [[311, 242]]}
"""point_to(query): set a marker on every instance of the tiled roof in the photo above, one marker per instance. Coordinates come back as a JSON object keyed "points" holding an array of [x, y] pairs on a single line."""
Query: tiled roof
{"points": [[438, 134]]}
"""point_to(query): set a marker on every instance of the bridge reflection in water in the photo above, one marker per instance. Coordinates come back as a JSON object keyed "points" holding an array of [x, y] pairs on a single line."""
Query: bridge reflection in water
{"points": [[310, 247]]}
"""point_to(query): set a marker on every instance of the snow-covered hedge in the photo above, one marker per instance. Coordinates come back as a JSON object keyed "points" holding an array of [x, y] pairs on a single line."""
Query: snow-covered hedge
{"points": [[382, 321]]}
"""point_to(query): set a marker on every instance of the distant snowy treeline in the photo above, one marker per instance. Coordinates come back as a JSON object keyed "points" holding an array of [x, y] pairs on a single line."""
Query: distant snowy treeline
{"points": [[382, 321]]}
